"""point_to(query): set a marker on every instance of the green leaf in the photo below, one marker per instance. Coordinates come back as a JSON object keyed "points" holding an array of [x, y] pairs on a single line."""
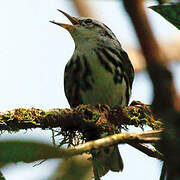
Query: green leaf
{"points": [[169, 12], [26, 151]]}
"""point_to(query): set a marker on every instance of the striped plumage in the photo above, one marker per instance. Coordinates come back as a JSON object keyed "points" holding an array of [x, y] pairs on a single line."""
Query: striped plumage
{"points": [[99, 72]]}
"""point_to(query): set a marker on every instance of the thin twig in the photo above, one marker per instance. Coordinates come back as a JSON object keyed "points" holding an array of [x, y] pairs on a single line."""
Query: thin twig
{"points": [[53, 138], [147, 150], [163, 172]]}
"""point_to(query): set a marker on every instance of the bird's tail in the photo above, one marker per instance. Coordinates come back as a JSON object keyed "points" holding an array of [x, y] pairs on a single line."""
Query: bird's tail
{"points": [[106, 159]]}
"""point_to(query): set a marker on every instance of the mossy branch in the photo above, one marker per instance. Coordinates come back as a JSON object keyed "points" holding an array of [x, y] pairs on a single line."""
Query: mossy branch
{"points": [[100, 117], [89, 128]]}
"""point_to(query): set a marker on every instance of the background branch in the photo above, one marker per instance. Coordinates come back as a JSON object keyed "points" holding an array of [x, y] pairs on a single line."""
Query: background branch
{"points": [[84, 9], [172, 47], [166, 102], [165, 95]]}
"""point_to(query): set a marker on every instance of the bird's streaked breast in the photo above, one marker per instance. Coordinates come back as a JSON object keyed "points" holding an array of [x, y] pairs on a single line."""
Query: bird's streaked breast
{"points": [[96, 77]]}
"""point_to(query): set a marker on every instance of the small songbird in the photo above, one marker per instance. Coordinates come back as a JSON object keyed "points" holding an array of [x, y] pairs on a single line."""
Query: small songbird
{"points": [[99, 72]]}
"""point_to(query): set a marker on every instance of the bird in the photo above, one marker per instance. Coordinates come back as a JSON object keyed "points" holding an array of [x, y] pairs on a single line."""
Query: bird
{"points": [[99, 72]]}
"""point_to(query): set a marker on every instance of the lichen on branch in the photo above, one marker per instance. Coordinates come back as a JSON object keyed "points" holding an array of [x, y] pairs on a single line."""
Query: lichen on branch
{"points": [[100, 117]]}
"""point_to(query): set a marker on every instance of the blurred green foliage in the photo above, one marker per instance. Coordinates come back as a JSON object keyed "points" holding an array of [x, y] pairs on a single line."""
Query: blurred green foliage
{"points": [[170, 12]]}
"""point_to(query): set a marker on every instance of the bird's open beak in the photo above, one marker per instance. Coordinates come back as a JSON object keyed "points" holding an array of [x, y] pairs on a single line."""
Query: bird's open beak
{"points": [[73, 20]]}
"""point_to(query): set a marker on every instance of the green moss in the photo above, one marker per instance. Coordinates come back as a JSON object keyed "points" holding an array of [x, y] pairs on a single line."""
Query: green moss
{"points": [[142, 115], [20, 117], [88, 113]]}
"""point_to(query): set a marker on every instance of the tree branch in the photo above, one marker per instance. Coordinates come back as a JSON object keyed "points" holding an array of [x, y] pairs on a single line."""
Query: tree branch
{"points": [[121, 138], [166, 102], [171, 46], [101, 117]]}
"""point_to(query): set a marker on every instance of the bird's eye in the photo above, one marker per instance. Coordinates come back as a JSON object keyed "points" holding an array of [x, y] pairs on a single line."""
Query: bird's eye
{"points": [[88, 21]]}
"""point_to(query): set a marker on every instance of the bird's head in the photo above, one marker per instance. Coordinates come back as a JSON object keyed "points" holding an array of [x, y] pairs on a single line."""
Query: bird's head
{"points": [[84, 29]]}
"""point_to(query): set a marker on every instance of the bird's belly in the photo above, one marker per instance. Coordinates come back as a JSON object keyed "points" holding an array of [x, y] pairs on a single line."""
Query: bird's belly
{"points": [[96, 87], [104, 90]]}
